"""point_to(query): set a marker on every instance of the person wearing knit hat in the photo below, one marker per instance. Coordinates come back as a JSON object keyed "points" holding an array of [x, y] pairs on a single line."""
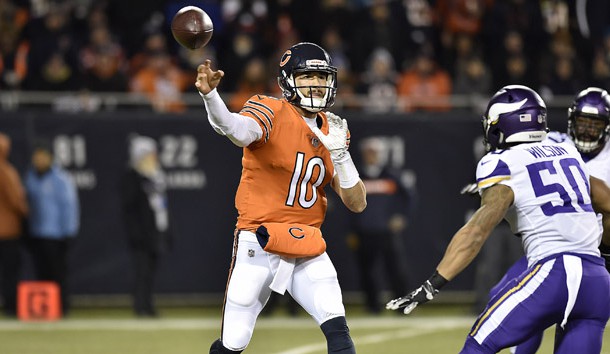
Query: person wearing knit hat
{"points": [[141, 151], [146, 219]]}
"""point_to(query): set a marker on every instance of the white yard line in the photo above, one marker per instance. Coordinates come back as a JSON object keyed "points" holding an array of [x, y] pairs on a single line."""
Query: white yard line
{"points": [[418, 328]]}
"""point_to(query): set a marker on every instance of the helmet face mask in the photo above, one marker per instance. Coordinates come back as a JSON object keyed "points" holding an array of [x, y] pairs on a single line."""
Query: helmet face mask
{"points": [[589, 119], [515, 114], [310, 60]]}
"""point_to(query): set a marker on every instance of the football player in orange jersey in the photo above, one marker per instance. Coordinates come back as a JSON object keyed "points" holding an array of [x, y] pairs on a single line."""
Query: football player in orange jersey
{"points": [[292, 149]]}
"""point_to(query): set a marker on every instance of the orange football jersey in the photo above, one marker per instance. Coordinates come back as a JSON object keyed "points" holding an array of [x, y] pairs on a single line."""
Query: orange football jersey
{"points": [[285, 172]]}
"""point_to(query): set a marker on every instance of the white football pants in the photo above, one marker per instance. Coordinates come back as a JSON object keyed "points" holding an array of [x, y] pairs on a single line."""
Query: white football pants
{"points": [[313, 285]]}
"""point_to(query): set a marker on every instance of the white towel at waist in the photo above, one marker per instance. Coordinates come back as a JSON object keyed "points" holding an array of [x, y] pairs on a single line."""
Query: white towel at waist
{"points": [[283, 275]]}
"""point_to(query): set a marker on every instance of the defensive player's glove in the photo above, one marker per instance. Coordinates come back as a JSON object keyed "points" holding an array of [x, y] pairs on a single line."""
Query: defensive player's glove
{"points": [[337, 139], [605, 253], [421, 295], [471, 188]]}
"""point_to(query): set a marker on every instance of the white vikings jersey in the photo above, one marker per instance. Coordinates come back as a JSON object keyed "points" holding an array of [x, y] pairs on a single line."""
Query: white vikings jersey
{"points": [[552, 210], [557, 137], [598, 165]]}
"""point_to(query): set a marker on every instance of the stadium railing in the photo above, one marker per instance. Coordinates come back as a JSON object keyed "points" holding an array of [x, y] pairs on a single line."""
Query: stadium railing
{"points": [[85, 101]]}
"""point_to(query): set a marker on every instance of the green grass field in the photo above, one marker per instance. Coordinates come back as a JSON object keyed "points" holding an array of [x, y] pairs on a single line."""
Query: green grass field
{"points": [[432, 330]]}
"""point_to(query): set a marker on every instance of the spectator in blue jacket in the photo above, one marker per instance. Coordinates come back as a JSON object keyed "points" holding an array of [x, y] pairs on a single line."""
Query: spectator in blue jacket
{"points": [[53, 220]]}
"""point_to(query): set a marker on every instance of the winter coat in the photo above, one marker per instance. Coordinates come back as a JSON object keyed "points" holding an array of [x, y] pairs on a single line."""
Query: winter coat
{"points": [[13, 203]]}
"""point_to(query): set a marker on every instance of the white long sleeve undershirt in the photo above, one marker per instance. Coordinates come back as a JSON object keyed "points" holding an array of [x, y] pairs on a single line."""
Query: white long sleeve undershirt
{"points": [[241, 130]]}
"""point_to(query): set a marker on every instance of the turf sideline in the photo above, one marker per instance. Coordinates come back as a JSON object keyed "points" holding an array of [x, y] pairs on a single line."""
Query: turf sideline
{"points": [[204, 324]]}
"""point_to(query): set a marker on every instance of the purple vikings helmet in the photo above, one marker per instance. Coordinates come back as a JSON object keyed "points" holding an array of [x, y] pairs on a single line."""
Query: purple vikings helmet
{"points": [[307, 57], [593, 103], [515, 114]]}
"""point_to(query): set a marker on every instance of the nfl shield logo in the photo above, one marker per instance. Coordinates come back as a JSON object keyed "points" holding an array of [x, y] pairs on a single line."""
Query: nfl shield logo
{"points": [[250, 253]]}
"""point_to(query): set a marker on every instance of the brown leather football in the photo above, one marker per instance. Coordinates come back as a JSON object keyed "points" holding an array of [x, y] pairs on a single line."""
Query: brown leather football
{"points": [[192, 27]]}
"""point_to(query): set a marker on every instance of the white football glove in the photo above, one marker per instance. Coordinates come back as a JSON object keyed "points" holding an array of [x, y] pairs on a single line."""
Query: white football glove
{"points": [[471, 188], [336, 140], [421, 295], [410, 301]]}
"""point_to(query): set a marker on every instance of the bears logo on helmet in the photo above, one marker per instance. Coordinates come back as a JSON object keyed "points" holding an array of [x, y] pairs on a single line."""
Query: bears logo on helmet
{"points": [[285, 58]]}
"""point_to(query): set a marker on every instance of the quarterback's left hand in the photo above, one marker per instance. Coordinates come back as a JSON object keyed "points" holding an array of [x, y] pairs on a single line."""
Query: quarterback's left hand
{"points": [[337, 139]]}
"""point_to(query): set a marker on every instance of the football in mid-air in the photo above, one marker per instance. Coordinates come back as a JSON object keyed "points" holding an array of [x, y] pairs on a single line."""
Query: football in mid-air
{"points": [[192, 27]]}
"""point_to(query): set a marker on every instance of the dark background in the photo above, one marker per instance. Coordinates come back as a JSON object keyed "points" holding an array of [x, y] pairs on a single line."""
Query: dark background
{"points": [[439, 150]]}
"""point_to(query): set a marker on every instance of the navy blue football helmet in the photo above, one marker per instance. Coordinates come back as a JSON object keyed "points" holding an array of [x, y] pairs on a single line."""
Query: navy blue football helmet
{"points": [[593, 103], [307, 57], [515, 114]]}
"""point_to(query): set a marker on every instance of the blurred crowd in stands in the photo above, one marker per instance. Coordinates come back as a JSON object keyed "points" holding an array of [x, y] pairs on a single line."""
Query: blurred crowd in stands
{"points": [[414, 52]]}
